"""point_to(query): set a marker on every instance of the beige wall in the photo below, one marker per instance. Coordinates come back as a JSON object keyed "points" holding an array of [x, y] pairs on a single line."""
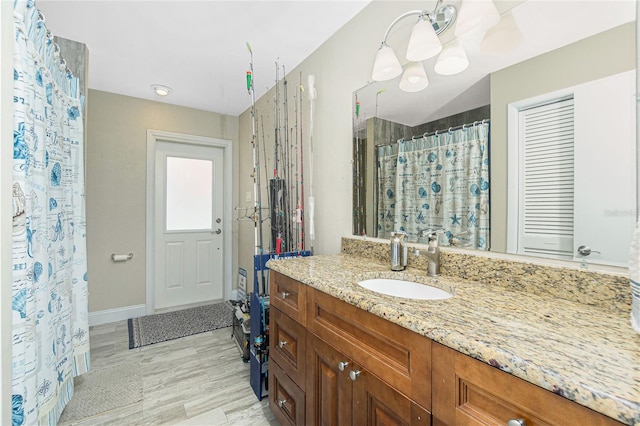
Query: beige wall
{"points": [[341, 66], [116, 187], [605, 54]]}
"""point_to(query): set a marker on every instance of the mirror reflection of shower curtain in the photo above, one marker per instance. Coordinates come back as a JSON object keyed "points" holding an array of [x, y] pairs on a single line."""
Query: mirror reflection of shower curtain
{"points": [[437, 182], [387, 168]]}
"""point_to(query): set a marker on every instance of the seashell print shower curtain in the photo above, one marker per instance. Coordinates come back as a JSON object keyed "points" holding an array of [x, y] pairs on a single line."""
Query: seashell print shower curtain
{"points": [[437, 182], [49, 306]]}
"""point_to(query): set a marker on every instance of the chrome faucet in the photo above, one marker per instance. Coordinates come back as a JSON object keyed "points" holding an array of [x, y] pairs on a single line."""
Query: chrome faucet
{"points": [[398, 251], [432, 253]]}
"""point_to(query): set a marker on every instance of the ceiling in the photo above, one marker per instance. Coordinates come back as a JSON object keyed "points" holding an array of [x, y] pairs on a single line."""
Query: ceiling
{"points": [[198, 48]]}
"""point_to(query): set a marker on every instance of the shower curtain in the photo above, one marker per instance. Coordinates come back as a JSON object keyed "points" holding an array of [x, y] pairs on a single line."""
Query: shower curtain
{"points": [[386, 191], [438, 182], [49, 305]]}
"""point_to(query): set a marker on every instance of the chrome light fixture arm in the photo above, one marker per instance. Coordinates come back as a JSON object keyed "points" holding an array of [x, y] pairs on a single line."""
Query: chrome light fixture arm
{"points": [[441, 18]]}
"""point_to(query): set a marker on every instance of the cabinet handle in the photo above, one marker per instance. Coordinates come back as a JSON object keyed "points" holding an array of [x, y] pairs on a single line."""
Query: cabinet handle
{"points": [[342, 365], [516, 422], [282, 343], [281, 402], [355, 374], [285, 294]]}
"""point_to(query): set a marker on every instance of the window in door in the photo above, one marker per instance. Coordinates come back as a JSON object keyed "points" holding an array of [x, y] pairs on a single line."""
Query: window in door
{"points": [[189, 194]]}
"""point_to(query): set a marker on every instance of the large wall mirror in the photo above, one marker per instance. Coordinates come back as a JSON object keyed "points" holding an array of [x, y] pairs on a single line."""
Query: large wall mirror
{"points": [[567, 60]]}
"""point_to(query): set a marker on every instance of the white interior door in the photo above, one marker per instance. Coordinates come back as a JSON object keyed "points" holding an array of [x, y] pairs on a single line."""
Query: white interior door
{"points": [[605, 173], [188, 224]]}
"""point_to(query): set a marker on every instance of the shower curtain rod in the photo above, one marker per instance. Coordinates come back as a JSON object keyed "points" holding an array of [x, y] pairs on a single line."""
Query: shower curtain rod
{"points": [[450, 129]]}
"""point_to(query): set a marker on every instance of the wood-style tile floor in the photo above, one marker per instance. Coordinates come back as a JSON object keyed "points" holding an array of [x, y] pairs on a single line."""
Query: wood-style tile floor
{"points": [[194, 380]]}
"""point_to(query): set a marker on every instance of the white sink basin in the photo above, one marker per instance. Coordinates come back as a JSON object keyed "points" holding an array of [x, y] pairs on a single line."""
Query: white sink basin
{"points": [[405, 289]]}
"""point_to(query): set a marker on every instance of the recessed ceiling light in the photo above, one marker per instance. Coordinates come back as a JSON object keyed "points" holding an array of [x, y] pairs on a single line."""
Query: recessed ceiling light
{"points": [[161, 90]]}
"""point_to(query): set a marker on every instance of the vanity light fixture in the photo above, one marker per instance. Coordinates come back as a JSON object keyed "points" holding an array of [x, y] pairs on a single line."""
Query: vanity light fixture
{"points": [[452, 60], [387, 65], [424, 42], [414, 78], [476, 16], [502, 38], [161, 90]]}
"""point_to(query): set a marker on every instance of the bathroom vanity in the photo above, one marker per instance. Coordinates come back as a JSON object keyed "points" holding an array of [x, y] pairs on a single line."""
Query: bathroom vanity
{"points": [[342, 354]]}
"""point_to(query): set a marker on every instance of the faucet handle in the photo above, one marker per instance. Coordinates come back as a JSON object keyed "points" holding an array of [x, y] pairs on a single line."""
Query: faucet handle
{"points": [[425, 232], [432, 234], [455, 242]]}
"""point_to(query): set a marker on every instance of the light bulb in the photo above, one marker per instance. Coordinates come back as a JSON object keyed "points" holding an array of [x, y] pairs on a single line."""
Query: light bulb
{"points": [[161, 90], [476, 16], [414, 78], [502, 38], [452, 60], [423, 43], [386, 65]]}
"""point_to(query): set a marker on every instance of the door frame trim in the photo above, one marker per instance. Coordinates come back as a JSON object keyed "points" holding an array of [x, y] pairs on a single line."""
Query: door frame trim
{"points": [[153, 136]]}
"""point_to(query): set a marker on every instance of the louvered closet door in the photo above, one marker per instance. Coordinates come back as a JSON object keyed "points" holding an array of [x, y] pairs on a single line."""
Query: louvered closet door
{"points": [[547, 183]]}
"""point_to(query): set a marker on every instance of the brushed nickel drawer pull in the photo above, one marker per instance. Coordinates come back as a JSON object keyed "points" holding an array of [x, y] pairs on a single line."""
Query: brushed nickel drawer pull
{"points": [[285, 294], [281, 402], [342, 365], [354, 375], [282, 343], [516, 422]]}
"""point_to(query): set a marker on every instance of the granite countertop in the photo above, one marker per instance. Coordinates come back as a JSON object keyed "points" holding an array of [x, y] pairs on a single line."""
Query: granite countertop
{"points": [[587, 355]]}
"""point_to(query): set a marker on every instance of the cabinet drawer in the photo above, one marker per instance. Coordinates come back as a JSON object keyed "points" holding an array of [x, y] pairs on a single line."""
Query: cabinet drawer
{"points": [[398, 356], [286, 399], [287, 339], [469, 392], [288, 295]]}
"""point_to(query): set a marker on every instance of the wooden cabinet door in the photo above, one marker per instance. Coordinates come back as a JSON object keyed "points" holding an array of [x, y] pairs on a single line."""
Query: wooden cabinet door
{"points": [[329, 393], [395, 354], [377, 403], [469, 392]]}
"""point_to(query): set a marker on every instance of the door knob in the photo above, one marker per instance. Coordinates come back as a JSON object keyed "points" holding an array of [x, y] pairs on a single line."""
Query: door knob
{"points": [[353, 375], [585, 250], [342, 365]]}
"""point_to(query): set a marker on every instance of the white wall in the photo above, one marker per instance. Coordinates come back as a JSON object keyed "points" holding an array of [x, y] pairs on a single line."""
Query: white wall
{"points": [[340, 66], [6, 160]]}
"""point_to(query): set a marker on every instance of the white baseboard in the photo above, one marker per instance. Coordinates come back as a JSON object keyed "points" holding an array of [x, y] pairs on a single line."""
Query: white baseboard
{"points": [[116, 314]]}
